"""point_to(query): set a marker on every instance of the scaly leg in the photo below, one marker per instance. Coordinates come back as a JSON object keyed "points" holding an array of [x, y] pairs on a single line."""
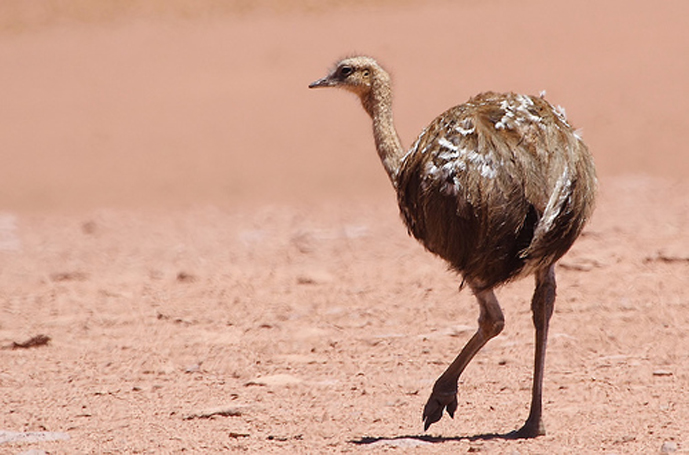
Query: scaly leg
{"points": [[542, 307], [444, 396]]}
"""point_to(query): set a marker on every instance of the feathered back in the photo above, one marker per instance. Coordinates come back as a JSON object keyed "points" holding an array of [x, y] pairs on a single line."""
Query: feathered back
{"points": [[497, 186]]}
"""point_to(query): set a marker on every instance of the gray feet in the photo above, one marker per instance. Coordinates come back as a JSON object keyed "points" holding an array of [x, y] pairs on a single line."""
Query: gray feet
{"points": [[447, 401], [436, 404], [531, 429]]}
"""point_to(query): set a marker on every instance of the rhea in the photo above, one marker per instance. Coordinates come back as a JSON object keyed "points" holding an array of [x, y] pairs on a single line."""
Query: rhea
{"points": [[499, 187]]}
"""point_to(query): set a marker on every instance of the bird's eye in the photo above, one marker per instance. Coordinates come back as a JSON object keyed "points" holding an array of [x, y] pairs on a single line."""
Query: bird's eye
{"points": [[346, 71]]}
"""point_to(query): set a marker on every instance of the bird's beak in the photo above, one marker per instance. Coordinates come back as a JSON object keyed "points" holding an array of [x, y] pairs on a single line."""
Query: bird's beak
{"points": [[323, 82]]}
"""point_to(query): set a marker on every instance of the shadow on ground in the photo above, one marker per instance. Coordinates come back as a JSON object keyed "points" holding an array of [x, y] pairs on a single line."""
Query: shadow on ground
{"points": [[434, 439]]}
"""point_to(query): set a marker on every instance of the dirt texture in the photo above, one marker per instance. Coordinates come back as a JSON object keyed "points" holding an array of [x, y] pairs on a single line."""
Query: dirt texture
{"points": [[200, 255]]}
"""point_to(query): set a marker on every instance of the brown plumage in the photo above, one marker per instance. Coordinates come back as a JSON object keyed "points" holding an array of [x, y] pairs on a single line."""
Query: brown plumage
{"points": [[500, 187]]}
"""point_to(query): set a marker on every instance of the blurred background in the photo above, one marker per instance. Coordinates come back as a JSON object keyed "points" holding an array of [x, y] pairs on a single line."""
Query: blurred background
{"points": [[176, 103]]}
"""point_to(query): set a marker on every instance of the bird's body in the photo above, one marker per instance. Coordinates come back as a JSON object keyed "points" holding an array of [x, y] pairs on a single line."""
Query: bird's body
{"points": [[497, 187], [500, 187]]}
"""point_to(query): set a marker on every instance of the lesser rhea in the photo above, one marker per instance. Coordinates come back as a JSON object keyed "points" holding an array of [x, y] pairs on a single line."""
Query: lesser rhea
{"points": [[499, 187]]}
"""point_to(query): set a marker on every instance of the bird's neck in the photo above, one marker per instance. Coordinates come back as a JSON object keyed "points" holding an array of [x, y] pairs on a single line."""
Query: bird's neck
{"points": [[378, 104]]}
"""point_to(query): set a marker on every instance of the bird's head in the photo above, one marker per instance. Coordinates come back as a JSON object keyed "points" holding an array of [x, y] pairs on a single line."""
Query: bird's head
{"points": [[355, 74]]}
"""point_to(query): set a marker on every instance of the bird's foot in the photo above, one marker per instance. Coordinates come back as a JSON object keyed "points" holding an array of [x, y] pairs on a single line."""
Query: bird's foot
{"points": [[436, 404], [531, 429]]}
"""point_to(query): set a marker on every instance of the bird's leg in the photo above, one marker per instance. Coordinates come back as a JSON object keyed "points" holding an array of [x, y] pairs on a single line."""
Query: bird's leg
{"points": [[542, 307], [444, 395]]}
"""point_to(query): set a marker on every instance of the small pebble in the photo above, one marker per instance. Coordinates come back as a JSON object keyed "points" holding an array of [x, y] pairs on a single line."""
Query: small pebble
{"points": [[222, 411], [662, 373], [195, 368], [668, 447]]}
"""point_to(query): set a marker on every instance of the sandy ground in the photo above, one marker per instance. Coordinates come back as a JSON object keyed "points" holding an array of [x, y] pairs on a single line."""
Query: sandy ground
{"points": [[216, 255]]}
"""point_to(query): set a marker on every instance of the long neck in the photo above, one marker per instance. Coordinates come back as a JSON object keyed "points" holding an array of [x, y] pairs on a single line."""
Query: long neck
{"points": [[378, 104]]}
